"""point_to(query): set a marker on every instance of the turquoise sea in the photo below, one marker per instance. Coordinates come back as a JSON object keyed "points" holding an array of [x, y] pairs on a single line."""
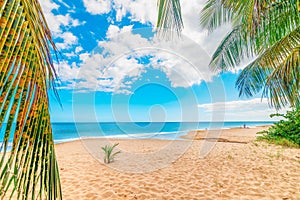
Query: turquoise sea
{"points": [[64, 132], [160, 130]]}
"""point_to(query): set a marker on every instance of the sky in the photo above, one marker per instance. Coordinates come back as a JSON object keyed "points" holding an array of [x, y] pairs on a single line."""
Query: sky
{"points": [[114, 67]]}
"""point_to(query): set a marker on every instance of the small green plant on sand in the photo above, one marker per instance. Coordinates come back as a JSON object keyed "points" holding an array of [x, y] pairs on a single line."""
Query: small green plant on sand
{"points": [[230, 157], [109, 154]]}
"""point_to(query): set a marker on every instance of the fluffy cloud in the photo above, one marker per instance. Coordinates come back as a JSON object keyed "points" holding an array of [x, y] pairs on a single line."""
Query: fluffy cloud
{"points": [[94, 75], [66, 71], [69, 39], [143, 11], [125, 55], [78, 49], [184, 61], [57, 24], [48, 6], [97, 7], [107, 67], [114, 31], [241, 110], [238, 106]]}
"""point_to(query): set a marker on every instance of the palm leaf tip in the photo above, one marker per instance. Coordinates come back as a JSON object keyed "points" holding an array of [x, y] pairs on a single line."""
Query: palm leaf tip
{"points": [[169, 18], [30, 170]]}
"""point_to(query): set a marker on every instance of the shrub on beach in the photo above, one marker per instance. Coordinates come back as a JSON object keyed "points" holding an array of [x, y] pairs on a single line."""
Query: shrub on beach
{"points": [[285, 132], [108, 153]]}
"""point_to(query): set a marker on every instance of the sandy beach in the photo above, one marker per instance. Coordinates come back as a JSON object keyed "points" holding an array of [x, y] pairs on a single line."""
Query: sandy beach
{"points": [[227, 164]]}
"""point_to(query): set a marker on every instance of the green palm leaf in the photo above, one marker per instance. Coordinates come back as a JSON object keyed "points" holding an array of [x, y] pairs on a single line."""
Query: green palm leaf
{"points": [[277, 71], [29, 170], [214, 14], [267, 29], [169, 17], [231, 51]]}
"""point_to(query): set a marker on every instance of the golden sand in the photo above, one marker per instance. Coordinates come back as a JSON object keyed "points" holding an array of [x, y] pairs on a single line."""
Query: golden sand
{"points": [[235, 167]]}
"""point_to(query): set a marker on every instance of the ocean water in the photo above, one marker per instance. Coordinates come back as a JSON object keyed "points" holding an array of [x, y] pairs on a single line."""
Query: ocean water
{"points": [[64, 132], [139, 130]]}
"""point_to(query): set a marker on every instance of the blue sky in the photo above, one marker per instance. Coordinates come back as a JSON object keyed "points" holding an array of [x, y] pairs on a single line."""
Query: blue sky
{"points": [[114, 67]]}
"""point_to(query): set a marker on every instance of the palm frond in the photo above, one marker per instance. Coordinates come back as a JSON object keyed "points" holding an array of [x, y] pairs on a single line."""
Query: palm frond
{"points": [[282, 85], [252, 79], [236, 46], [233, 49], [29, 170], [214, 14], [281, 14], [267, 29], [169, 17], [277, 71], [259, 19], [218, 12]]}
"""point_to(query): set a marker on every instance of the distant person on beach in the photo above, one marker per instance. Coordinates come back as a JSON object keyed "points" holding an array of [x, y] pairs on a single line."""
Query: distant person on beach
{"points": [[245, 126]]}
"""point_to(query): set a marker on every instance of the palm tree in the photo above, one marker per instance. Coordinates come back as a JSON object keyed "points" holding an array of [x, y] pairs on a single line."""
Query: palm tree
{"points": [[29, 170], [267, 31], [169, 17]]}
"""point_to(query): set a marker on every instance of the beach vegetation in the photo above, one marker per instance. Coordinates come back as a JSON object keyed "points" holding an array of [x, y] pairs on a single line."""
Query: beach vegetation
{"points": [[217, 183], [285, 132], [230, 157], [255, 143], [266, 33], [270, 162], [278, 155], [109, 155], [28, 165]]}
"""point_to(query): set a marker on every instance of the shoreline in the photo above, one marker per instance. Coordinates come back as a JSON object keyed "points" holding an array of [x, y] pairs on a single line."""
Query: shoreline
{"points": [[185, 136], [226, 135]]}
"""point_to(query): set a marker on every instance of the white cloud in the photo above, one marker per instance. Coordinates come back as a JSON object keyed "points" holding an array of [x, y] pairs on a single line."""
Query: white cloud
{"points": [[122, 41], [83, 56], [115, 31], [240, 105], [256, 109], [78, 49], [143, 11], [70, 54], [58, 22], [99, 73], [184, 62], [69, 39], [97, 7], [48, 6], [66, 71]]}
